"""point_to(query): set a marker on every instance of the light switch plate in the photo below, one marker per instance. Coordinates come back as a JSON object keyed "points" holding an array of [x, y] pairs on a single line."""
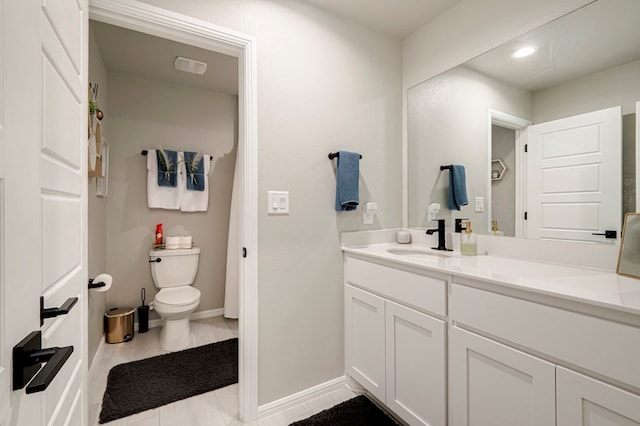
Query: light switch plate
{"points": [[278, 202], [479, 204]]}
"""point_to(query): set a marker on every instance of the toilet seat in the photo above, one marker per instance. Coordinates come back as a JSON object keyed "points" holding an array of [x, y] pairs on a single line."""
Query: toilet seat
{"points": [[178, 296]]}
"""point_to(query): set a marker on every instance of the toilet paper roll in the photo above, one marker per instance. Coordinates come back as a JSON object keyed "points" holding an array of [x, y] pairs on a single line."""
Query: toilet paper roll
{"points": [[185, 241], [103, 278], [172, 242]]}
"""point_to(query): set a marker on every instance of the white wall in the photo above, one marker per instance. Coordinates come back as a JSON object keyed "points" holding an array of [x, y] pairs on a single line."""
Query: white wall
{"points": [[97, 210], [146, 114], [324, 84]]}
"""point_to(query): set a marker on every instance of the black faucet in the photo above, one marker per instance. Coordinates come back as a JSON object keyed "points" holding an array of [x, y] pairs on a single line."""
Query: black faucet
{"points": [[441, 236]]}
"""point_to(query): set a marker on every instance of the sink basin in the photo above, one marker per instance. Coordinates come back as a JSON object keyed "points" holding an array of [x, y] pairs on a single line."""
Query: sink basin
{"points": [[414, 251]]}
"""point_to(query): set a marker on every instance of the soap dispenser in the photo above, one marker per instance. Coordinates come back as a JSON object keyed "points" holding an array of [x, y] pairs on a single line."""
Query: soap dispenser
{"points": [[494, 228], [468, 243]]}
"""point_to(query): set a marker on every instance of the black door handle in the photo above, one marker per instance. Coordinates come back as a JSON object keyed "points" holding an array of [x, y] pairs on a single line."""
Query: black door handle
{"points": [[157, 259], [54, 312], [27, 357], [607, 234]]}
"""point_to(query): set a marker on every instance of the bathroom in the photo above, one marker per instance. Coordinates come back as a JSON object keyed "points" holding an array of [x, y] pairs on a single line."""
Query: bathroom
{"points": [[324, 83]]}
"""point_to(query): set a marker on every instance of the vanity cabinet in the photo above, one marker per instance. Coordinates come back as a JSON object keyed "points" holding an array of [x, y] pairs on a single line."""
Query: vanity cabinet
{"points": [[395, 351], [495, 380]]}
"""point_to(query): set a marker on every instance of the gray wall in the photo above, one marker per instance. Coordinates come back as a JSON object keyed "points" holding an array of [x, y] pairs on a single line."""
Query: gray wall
{"points": [[97, 210], [503, 191], [146, 114], [324, 83]]}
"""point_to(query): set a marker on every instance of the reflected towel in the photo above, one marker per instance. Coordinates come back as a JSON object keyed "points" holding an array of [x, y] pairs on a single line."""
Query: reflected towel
{"points": [[347, 176], [457, 187], [160, 197]]}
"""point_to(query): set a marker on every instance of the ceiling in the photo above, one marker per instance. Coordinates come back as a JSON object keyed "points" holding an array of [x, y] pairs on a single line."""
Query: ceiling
{"points": [[599, 36], [396, 17], [131, 52]]}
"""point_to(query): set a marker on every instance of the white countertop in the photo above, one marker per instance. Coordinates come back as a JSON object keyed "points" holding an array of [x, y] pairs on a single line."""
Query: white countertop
{"points": [[590, 286]]}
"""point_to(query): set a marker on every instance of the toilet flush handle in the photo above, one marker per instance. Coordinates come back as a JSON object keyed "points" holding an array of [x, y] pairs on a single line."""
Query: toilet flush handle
{"points": [[157, 259]]}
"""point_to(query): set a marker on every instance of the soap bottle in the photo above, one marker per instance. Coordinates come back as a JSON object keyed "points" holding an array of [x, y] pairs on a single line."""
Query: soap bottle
{"points": [[494, 228], [468, 243]]}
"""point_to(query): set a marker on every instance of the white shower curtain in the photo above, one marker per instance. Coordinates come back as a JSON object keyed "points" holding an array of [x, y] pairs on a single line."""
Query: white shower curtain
{"points": [[231, 290]]}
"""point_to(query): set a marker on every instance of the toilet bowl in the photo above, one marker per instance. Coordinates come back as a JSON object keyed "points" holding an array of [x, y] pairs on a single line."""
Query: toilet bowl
{"points": [[173, 273]]}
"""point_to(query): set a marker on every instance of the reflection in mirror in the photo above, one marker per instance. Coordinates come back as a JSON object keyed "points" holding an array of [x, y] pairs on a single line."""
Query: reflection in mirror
{"points": [[571, 104], [629, 256]]}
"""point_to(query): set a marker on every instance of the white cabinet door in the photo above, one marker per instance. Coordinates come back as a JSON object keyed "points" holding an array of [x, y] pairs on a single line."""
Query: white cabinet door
{"points": [[415, 366], [364, 339], [495, 385], [583, 401]]}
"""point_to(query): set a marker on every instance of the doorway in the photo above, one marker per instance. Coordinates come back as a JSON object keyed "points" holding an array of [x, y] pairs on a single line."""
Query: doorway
{"points": [[151, 20]]}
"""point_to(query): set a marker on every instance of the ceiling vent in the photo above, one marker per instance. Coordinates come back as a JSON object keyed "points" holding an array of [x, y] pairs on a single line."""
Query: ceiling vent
{"points": [[190, 65]]}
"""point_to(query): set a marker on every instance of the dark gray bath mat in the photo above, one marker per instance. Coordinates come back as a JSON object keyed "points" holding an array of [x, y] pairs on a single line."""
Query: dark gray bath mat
{"points": [[358, 411], [149, 383]]}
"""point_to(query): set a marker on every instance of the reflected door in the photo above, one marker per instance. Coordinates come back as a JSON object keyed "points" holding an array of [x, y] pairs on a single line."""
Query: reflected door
{"points": [[574, 181]]}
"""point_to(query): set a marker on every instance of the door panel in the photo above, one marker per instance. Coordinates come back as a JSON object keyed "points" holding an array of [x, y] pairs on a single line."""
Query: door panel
{"points": [[583, 401], [5, 356], [364, 339], [43, 190], [494, 385], [574, 181], [416, 367]]}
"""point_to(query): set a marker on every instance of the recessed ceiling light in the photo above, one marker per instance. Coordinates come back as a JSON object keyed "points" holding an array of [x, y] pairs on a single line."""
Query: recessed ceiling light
{"points": [[190, 65], [523, 52]]}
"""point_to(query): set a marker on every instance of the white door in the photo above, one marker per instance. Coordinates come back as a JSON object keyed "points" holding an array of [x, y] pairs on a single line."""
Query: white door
{"points": [[416, 367], [495, 385], [43, 204], [583, 401], [574, 177], [364, 339]]}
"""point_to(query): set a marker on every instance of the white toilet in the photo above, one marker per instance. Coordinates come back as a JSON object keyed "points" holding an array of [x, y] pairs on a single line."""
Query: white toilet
{"points": [[173, 273]]}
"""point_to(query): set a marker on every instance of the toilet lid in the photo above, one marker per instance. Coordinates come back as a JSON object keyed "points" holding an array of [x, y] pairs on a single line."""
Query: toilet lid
{"points": [[178, 296]]}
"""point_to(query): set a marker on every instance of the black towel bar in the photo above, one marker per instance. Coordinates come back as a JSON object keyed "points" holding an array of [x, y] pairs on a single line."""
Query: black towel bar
{"points": [[145, 152], [445, 167], [333, 155]]}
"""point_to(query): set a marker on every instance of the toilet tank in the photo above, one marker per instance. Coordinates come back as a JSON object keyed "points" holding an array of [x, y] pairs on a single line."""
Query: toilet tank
{"points": [[175, 268]]}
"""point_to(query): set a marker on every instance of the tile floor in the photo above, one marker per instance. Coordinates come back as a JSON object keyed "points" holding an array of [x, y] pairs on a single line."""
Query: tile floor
{"points": [[216, 408]]}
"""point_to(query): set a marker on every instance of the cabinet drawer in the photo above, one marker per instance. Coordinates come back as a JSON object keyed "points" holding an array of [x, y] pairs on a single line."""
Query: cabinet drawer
{"points": [[605, 347], [424, 293]]}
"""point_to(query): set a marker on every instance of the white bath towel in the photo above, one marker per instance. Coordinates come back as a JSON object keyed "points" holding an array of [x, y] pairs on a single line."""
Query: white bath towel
{"points": [[191, 200], [161, 197]]}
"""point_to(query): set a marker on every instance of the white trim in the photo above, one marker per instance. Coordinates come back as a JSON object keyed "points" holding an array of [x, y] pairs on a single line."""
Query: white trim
{"points": [[301, 397], [97, 357], [637, 156], [163, 23], [520, 126]]}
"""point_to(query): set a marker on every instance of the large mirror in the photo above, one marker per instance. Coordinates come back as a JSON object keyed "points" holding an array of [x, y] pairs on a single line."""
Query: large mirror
{"points": [[547, 141]]}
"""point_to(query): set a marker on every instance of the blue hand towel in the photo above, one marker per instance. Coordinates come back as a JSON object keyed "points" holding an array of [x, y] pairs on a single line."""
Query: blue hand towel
{"points": [[167, 170], [457, 188], [195, 171], [347, 176]]}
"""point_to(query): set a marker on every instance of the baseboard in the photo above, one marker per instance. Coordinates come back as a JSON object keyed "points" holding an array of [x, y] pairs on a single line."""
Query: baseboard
{"points": [[301, 397], [98, 355], [210, 313]]}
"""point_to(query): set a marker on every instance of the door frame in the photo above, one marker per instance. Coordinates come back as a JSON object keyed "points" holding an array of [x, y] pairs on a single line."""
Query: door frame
{"points": [[163, 23], [520, 126]]}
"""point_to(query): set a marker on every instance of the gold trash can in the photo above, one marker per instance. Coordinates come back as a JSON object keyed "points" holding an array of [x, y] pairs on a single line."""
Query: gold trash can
{"points": [[118, 325]]}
